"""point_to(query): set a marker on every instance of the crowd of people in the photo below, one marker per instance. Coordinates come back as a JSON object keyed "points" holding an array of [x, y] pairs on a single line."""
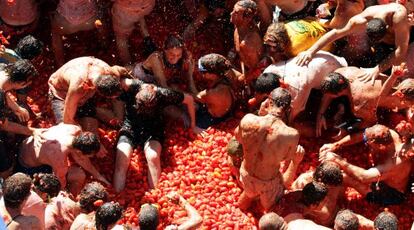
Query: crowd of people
{"points": [[335, 69]]}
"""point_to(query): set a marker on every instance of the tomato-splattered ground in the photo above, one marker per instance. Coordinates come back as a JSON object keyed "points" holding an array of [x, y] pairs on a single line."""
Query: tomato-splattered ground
{"points": [[194, 166]]}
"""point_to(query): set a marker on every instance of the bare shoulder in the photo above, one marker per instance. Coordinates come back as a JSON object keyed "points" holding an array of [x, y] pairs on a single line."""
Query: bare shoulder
{"points": [[250, 122], [290, 132]]}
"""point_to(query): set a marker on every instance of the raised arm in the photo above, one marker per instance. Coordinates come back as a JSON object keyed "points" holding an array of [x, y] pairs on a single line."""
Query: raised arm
{"points": [[377, 173], [355, 24], [345, 141], [397, 72]]}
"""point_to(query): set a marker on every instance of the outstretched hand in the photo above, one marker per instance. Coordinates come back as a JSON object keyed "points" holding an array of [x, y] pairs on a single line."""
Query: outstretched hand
{"points": [[197, 130], [304, 58], [369, 75], [38, 137]]}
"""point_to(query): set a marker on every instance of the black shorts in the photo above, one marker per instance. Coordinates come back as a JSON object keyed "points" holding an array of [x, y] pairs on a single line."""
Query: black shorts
{"points": [[138, 133], [205, 120], [383, 194], [86, 110]]}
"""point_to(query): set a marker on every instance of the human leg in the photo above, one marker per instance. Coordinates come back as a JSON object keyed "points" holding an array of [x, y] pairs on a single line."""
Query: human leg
{"points": [[152, 150], [123, 156]]}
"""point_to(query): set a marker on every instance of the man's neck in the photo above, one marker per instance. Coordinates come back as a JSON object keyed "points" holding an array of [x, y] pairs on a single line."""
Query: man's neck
{"points": [[245, 28]]}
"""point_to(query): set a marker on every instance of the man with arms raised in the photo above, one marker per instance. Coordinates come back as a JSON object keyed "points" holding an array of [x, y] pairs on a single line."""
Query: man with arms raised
{"points": [[389, 23], [267, 141], [61, 142]]}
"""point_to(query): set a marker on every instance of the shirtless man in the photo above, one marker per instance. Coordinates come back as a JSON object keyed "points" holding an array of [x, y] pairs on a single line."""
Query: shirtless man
{"points": [[13, 77], [219, 96], [267, 141], [125, 13], [247, 39], [363, 98], [300, 80], [73, 85], [384, 183], [331, 176], [18, 17], [16, 190], [72, 16], [295, 221], [389, 23], [62, 142]]}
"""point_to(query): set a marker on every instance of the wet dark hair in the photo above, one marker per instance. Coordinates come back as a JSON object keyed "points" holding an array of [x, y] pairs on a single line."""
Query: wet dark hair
{"points": [[90, 193], [277, 34], [249, 6], [146, 99], [21, 70], [148, 217], [215, 63], [281, 98], [16, 189], [386, 221], [313, 193], [108, 85], [376, 29], [328, 173], [173, 41], [108, 214], [334, 83], [346, 220], [266, 82], [271, 221], [29, 47], [47, 183], [87, 143]]}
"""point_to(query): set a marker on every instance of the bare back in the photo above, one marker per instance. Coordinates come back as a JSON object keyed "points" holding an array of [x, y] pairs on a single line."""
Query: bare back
{"points": [[54, 152], [219, 100], [76, 72], [266, 142]]}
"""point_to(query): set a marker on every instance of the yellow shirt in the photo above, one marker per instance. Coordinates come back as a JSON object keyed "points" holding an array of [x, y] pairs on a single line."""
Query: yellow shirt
{"points": [[303, 33]]}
